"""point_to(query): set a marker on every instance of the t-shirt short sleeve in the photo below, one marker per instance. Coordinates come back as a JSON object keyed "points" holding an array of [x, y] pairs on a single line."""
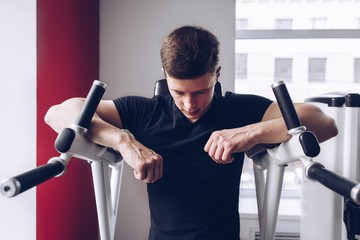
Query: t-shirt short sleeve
{"points": [[246, 108], [133, 110]]}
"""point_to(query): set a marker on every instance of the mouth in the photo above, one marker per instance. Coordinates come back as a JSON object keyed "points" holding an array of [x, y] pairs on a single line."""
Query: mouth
{"points": [[191, 113]]}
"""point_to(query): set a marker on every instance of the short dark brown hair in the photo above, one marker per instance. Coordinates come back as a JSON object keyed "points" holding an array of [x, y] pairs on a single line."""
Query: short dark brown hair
{"points": [[189, 52]]}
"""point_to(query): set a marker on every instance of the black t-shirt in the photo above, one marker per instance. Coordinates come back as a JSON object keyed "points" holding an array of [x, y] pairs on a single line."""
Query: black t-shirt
{"points": [[196, 198]]}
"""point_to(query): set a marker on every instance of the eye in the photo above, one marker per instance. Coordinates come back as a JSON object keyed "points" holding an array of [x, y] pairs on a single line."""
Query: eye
{"points": [[200, 92], [179, 93]]}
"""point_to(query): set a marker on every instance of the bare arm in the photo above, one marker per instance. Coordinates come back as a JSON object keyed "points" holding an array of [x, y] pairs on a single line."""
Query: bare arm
{"points": [[311, 116], [222, 144], [106, 130]]}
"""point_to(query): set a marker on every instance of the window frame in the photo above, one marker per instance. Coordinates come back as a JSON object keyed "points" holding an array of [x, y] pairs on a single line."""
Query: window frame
{"points": [[290, 34]]}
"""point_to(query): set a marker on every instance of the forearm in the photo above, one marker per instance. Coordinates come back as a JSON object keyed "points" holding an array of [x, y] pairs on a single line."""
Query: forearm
{"points": [[268, 132], [272, 129], [105, 129], [222, 144], [146, 163], [105, 134]]}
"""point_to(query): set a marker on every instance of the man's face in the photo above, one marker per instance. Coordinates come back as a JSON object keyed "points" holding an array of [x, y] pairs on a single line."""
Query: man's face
{"points": [[193, 96]]}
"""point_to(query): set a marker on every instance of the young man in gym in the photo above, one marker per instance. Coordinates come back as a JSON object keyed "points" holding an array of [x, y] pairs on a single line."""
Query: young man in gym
{"points": [[189, 146]]}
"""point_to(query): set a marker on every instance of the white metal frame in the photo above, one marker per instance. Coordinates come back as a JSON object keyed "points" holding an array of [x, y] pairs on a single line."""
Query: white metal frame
{"points": [[274, 160]]}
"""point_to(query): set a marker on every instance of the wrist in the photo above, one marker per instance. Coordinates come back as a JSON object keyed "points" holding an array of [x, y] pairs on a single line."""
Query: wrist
{"points": [[271, 131], [257, 133], [124, 138], [126, 131]]}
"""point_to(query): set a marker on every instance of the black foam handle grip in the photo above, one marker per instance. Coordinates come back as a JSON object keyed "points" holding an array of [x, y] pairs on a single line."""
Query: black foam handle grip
{"points": [[91, 103], [286, 105], [331, 180], [18, 184]]}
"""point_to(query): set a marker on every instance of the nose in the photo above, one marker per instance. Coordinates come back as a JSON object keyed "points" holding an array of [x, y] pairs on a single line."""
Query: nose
{"points": [[189, 103]]}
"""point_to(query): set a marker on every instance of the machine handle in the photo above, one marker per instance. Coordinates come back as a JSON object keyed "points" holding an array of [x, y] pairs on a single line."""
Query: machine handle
{"points": [[91, 103], [56, 166], [286, 105], [13, 186], [346, 188]]}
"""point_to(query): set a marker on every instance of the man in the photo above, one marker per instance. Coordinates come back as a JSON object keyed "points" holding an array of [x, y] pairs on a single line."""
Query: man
{"points": [[189, 146]]}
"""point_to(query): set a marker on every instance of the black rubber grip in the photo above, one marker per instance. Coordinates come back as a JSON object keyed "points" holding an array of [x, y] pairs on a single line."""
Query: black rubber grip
{"points": [[286, 105], [352, 219], [16, 185], [64, 140], [331, 180], [91, 103]]}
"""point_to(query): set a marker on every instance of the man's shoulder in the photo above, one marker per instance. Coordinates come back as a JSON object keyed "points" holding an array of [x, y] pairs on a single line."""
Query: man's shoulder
{"points": [[231, 96], [142, 100]]}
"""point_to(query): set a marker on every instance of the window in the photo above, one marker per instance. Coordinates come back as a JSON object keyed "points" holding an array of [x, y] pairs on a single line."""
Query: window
{"points": [[283, 69], [241, 66], [357, 70], [318, 23], [310, 44], [283, 23], [317, 67], [241, 23], [325, 34]]}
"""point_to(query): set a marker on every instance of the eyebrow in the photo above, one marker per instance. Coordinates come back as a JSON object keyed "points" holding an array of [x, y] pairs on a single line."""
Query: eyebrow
{"points": [[200, 90]]}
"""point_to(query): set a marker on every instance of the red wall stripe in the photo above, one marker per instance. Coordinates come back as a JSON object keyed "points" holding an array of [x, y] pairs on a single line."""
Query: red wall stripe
{"points": [[67, 64]]}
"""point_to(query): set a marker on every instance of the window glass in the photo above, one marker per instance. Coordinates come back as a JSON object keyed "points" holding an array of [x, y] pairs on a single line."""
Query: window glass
{"points": [[317, 68], [311, 44], [241, 65], [283, 69], [283, 23], [357, 70], [241, 23], [318, 23]]}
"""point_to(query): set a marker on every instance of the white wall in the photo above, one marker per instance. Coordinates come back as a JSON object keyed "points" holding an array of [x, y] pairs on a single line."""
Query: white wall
{"points": [[18, 113], [131, 34]]}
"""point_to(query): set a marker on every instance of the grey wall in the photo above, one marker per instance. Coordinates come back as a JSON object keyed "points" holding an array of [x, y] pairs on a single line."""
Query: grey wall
{"points": [[131, 33]]}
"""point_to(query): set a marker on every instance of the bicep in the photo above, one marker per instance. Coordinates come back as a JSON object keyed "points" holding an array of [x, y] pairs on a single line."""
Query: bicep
{"points": [[310, 116], [107, 111], [272, 112]]}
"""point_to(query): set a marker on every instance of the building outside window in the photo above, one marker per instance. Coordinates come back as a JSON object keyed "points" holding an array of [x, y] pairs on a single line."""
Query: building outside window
{"points": [[304, 31], [283, 69], [312, 45], [317, 69], [241, 24], [283, 23], [318, 23], [241, 65], [357, 70]]}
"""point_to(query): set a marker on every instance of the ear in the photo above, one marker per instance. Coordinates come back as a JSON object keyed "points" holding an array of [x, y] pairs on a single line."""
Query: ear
{"points": [[218, 72], [163, 70]]}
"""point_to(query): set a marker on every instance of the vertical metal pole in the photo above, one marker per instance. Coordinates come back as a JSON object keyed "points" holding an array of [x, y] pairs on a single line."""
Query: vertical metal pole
{"points": [[274, 179], [101, 189], [351, 143], [115, 183], [261, 163], [260, 189]]}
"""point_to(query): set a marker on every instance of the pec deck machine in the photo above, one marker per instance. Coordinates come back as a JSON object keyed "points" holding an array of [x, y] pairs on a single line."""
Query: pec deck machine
{"points": [[107, 167]]}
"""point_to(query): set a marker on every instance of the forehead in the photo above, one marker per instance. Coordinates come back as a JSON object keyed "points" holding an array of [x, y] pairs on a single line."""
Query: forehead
{"points": [[191, 85]]}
